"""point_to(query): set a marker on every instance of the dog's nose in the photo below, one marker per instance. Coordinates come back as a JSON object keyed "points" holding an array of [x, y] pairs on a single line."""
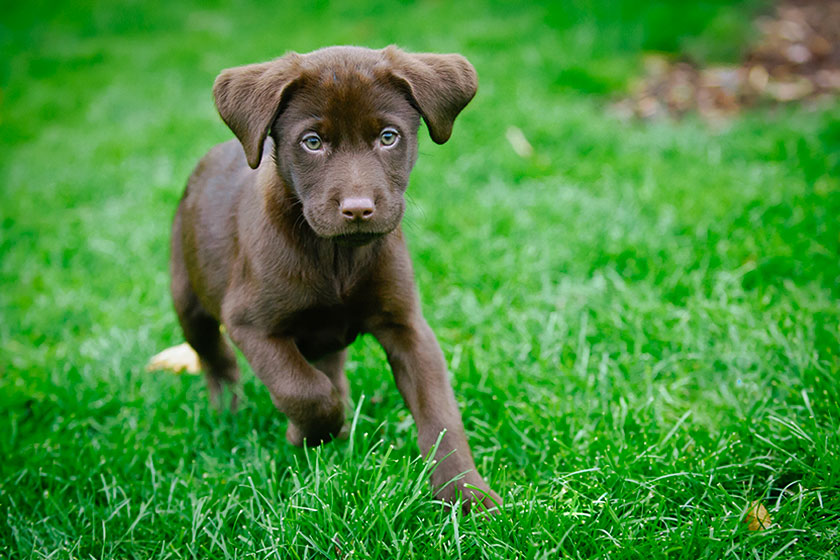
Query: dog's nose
{"points": [[356, 209]]}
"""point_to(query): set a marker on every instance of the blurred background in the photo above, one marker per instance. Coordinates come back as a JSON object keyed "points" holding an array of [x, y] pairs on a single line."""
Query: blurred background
{"points": [[629, 250]]}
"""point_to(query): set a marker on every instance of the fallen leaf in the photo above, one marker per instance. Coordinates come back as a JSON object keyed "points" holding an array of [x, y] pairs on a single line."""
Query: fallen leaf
{"points": [[518, 142], [724, 77], [820, 46], [648, 107], [790, 27], [798, 53], [828, 79], [757, 518], [655, 64], [790, 91], [177, 359], [758, 77]]}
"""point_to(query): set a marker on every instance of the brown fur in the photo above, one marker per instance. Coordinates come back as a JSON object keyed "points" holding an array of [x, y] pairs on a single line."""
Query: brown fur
{"points": [[297, 251]]}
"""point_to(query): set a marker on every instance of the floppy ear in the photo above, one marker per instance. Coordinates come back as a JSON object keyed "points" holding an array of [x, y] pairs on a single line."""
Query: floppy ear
{"points": [[440, 85], [248, 99]]}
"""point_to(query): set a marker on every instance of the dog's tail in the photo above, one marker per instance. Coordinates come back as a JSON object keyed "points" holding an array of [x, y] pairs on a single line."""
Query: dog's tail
{"points": [[177, 359]]}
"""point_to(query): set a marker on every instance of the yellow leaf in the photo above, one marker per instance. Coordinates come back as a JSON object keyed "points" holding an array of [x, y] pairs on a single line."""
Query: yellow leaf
{"points": [[177, 359], [757, 518]]}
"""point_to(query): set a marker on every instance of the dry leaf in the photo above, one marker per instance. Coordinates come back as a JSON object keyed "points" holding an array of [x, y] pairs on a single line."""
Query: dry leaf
{"points": [[655, 64], [758, 77], [820, 46], [757, 518], [177, 359], [648, 107], [728, 78], [790, 91], [518, 142], [828, 79]]}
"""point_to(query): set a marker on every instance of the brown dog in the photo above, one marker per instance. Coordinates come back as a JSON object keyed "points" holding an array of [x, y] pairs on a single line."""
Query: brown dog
{"points": [[299, 254]]}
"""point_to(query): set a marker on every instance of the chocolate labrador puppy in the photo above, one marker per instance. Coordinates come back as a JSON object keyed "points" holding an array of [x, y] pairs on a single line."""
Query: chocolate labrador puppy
{"points": [[290, 238]]}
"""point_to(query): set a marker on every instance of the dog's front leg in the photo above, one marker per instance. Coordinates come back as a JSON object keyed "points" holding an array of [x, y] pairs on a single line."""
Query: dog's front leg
{"points": [[300, 391], [422, 379]]}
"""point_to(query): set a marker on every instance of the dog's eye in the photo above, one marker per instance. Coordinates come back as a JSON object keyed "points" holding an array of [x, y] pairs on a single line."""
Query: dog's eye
{"points": [[312, 142], [388, 137]]}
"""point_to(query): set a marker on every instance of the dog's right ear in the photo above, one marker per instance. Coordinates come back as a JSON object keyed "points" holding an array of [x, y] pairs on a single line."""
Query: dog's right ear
{"points": [[249, 97]]}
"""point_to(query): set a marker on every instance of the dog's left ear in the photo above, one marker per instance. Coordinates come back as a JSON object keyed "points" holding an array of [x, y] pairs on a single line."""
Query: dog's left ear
{"points": [[249, 97], [440, 85]]}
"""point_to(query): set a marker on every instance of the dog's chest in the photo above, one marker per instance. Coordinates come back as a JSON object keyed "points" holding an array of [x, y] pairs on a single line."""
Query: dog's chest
{"points": [[335, 300], [319, 331]]}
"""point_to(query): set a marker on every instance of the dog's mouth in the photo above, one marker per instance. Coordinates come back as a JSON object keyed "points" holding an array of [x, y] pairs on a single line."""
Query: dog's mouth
{"points": [[356, 239]]}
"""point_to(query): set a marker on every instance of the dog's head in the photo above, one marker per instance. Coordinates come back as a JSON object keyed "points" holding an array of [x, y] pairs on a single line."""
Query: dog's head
{"points": [[344, 122]]}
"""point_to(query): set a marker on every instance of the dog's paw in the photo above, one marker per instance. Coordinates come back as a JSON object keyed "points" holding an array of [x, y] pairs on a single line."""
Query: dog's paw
{"points": [[313, 437], [484, 501], [321, 422], [177, 359], [294, 435], [473, 494]]}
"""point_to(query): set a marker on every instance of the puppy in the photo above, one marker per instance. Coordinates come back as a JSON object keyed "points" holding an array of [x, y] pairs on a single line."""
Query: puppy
{"points": [[290, 238]]}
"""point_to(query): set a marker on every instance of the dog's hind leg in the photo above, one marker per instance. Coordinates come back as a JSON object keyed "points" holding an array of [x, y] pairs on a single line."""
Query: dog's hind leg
{"points": [[201, 329]]}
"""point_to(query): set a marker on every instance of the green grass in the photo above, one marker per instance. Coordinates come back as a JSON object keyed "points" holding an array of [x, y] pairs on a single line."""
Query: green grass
{"points": [[642, 319]]}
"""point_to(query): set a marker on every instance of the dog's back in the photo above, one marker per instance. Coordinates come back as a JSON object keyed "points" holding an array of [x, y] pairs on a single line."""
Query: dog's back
{"points": [[205, 224]]}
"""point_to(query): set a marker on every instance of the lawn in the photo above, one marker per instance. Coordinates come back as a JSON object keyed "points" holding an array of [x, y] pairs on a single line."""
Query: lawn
{"points": [[641, 318]]}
